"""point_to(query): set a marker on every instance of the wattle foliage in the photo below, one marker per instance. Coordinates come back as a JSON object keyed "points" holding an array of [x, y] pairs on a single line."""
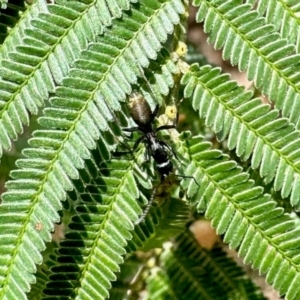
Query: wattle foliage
{"points": [[73, 64]]}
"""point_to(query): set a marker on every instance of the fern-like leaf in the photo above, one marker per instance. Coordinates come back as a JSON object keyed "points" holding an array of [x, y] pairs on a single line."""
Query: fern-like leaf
{"points": [[99, 233], [266, 237], [10, 15], [247, 41], [283, 15], [196, 273], [40, 52], [160, 224], [77, 118], [252, 128]]}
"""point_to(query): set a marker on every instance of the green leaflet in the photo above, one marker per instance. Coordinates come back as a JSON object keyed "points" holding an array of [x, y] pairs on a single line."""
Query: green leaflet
{"points": [[250, 127], [248, 218], [254, 45]]}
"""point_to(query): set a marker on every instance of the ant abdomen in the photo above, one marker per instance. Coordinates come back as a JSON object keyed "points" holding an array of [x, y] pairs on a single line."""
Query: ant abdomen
{"points": [[140, 110]]}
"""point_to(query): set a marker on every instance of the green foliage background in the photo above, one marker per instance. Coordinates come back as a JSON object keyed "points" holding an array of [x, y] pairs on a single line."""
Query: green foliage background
{"points": [[66, 70]]}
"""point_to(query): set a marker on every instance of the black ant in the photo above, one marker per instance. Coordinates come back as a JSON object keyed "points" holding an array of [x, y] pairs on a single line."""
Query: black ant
{"points": [[156, 148], [141, 114]]}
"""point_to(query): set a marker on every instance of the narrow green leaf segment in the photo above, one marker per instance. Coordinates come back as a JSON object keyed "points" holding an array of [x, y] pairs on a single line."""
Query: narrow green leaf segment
{"points": [[248, 218]]}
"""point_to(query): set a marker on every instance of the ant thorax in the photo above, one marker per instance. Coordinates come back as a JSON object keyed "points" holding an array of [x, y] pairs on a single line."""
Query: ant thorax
{"points": [[151, 140]]}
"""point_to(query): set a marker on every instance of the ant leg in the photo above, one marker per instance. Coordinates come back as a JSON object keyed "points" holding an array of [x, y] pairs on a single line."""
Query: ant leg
{"points": [[165, 127], [190, 177], [153, 115], [147, 153], [136, 144], [131, 129]]}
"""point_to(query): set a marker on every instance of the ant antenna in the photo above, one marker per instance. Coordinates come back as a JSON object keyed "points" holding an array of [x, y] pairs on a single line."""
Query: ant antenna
{"points": [[149, 205], [166, 183], [154, 194]]}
